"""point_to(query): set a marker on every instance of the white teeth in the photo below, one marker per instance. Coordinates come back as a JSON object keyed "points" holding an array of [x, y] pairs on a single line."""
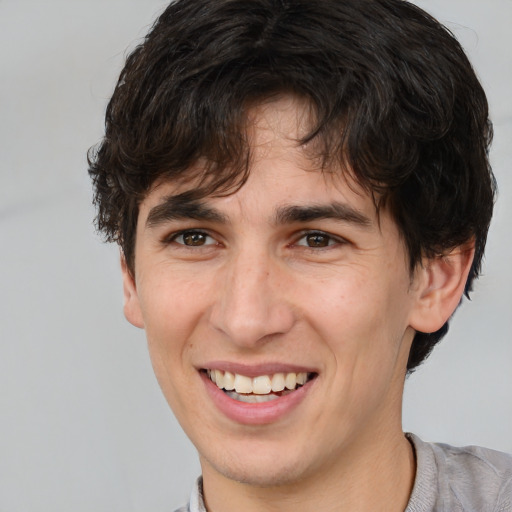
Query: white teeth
{"points": [[302, 378], [278, 382], [290, 380], [229, 381], [251, 399], [243, 384], [219, 378], [260, 385]]}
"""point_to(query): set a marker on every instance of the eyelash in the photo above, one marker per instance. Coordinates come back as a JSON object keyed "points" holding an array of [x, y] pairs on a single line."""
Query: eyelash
{"points": [[174, 236], [330, 240]]}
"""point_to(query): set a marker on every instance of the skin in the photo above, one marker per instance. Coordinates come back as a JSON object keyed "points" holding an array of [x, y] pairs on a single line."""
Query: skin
{"points": [[254, 291]]}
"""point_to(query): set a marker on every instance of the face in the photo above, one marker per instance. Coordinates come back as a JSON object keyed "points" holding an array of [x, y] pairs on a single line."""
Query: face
{"points": [[293, 295]]}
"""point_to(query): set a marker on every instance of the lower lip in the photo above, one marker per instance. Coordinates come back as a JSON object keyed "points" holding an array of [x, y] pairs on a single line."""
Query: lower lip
{"points": [[258, 413]]}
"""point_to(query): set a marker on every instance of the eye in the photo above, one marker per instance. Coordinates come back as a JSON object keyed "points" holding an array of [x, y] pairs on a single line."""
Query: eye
{"points": [[193, 238], [317, 240]]}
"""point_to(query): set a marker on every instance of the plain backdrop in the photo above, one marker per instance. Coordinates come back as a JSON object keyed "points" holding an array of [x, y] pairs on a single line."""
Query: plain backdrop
{"points": [[83, 425]]}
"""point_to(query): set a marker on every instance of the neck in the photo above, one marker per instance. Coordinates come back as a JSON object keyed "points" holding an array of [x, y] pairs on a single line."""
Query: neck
{"points": [[376, 473]]}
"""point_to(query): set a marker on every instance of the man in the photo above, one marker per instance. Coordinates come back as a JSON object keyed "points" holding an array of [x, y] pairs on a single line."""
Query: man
{"points": [[301, 193]]}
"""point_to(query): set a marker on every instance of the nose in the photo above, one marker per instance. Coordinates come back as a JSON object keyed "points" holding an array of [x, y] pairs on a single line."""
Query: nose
{"points": [[251, 307]]}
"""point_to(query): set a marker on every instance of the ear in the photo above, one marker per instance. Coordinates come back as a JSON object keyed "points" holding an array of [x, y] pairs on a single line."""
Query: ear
{"points": [[131, 308], [441, 284]]}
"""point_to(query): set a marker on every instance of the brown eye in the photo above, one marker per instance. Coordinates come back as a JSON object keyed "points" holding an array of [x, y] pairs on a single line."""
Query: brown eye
{"points": [[317, 240], [193, 239]]}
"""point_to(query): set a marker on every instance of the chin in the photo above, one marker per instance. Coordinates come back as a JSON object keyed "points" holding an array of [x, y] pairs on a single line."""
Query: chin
{"points": [[260, 474], [259, 464]]}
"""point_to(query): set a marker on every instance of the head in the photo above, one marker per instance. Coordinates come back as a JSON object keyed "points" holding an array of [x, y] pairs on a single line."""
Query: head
{"points": [[298, 189], [393, 103]]}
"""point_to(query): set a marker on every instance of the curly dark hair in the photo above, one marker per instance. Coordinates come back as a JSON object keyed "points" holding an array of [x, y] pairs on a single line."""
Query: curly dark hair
{"points": [[394, 97]]}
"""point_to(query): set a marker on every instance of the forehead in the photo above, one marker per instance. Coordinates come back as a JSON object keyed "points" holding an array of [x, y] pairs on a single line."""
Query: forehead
{"points": [[278, 158]]}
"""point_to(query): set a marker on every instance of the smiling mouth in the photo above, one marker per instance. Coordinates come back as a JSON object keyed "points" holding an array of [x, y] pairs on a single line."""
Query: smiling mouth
{"points": [[262, 388]]}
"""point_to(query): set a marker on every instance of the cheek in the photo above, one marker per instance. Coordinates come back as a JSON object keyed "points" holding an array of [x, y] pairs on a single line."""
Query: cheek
{"points": [[362, 320], [172, 308], [171, 305], [345, 304]]}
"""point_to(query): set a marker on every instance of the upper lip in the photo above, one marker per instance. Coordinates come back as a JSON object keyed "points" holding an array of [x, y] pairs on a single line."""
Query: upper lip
{"points": [[254, 370]]}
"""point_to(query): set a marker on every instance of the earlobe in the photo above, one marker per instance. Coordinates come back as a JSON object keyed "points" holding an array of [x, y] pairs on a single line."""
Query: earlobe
{"points": [[131, 308], [442, 281]]}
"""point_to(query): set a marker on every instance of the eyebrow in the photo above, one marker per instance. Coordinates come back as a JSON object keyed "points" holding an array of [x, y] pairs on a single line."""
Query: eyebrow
{"points": [[337, 211], [181, 208]]}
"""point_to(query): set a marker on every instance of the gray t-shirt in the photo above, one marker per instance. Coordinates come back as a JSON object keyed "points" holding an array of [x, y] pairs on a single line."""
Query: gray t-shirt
{"points": [[448, 479]]}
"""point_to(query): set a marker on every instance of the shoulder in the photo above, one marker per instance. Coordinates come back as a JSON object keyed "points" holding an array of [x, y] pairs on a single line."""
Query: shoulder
{"points": [[464, 478]]}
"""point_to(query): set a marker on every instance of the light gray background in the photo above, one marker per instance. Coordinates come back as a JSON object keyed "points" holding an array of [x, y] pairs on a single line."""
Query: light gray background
{"points": [[83, 425]]}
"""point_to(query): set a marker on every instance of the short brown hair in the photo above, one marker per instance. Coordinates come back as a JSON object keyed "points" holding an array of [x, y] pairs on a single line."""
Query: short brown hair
{"points": [[394, 97]]}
